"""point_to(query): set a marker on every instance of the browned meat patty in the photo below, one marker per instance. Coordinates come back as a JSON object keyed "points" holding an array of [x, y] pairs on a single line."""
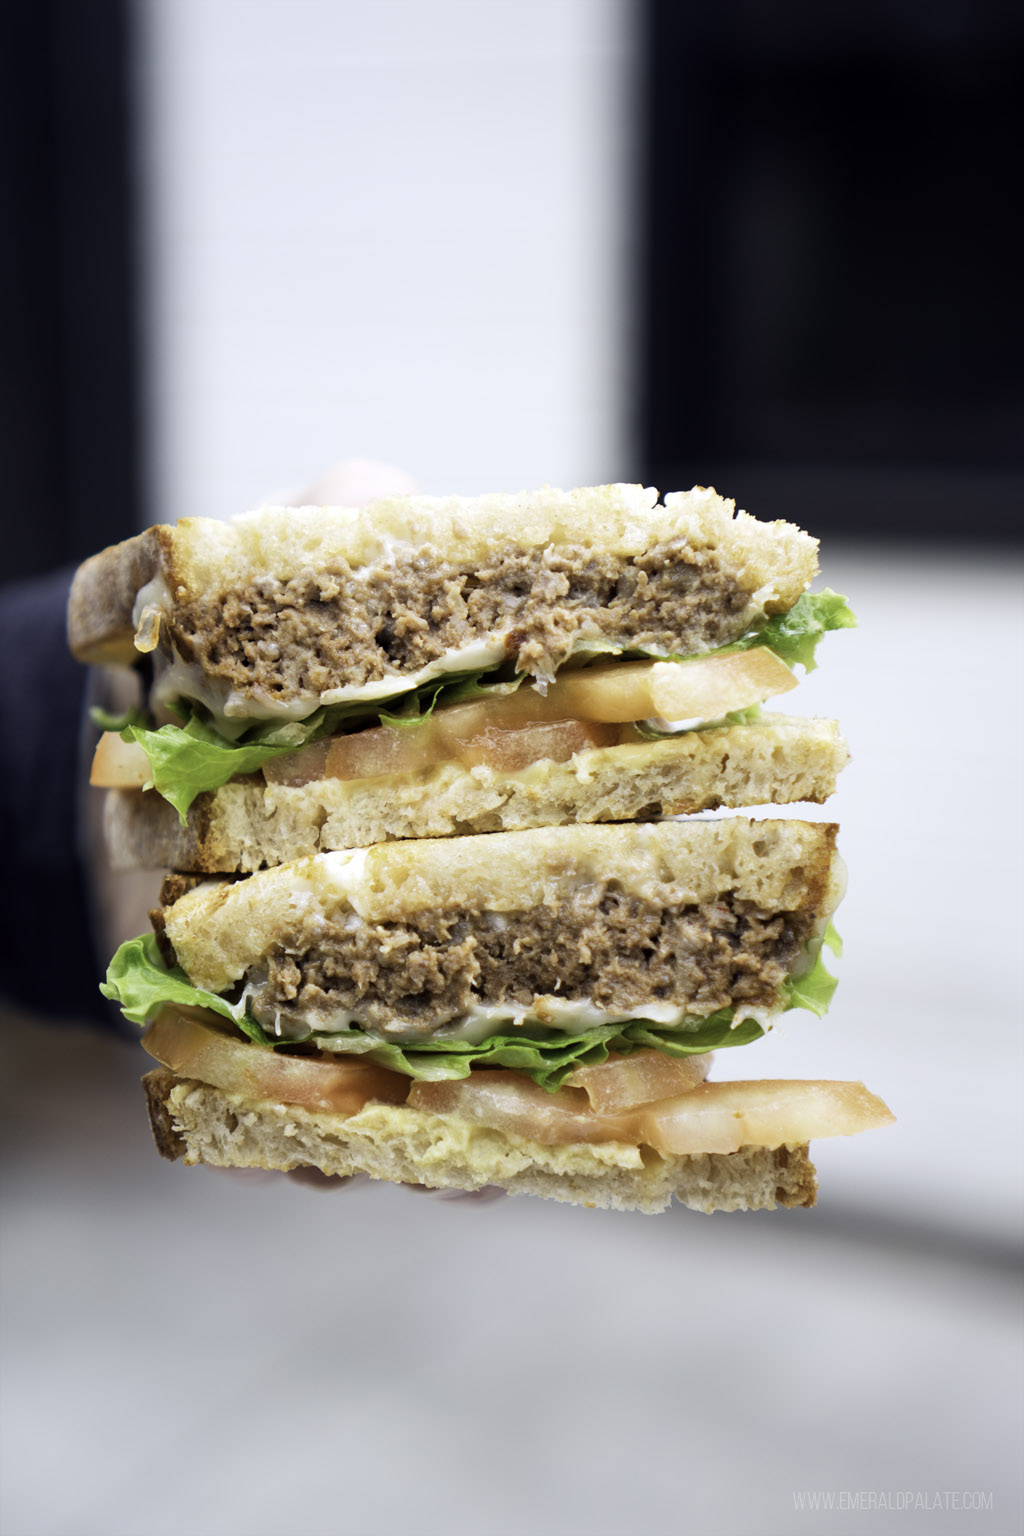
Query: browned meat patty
{"points": [[617, 951], [349, 627]]}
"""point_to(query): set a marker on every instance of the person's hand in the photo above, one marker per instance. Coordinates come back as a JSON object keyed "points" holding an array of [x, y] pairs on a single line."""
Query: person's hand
{"points": [[353, 483], [312, 1178]]}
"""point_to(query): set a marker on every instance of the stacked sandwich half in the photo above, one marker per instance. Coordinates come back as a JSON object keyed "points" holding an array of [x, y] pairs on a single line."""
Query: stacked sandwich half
{"points": [[439, 908]]}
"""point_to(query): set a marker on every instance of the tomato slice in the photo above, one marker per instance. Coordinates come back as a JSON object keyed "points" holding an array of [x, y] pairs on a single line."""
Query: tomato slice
{"points": [[583, 709], [623, 1082], [709, 1118], [194, 1049], [699, 688], [118, 764], [713, 1117], [508, 1101], [722, 1117]]}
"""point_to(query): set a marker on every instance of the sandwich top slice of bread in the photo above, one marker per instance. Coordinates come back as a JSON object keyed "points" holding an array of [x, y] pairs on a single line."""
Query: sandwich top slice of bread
{"points": [[284, 610]]}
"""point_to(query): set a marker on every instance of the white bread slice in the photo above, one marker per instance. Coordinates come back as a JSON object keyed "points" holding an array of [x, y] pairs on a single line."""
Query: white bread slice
{"points": [[409, 1146], [220, 929], [772, 562], [249, 824]]}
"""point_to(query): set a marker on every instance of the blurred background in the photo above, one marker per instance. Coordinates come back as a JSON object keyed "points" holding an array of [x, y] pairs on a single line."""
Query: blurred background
{"points": [[500, 243]]}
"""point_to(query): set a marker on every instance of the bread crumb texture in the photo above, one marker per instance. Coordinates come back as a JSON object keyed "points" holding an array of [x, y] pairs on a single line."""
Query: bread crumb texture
{"points": [[248, 825]]}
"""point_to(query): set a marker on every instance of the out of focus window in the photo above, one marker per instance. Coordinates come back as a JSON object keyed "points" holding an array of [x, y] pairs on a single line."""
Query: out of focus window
{"points": [[834, 314]]}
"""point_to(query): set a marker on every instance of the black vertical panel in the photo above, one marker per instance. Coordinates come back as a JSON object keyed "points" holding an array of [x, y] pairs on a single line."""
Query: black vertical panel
{"points": [[833, 310], [681, 43], [69, 407]]}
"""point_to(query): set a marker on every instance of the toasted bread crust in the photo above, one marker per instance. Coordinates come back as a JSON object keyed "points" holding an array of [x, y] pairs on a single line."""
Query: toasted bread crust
{"points": [[249, 825], [103, 593], [206, 1125], [170, 1142]]}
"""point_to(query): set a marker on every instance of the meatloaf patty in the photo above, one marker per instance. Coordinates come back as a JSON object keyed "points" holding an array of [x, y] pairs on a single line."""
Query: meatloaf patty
{"points": [[349, 627], [614, 950]]}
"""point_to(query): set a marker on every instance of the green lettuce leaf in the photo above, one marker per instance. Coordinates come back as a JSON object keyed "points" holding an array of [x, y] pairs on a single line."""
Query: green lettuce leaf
{"points": [[405, 722], [186, 760], [139, 980], [813, 990], [794, 636], [103, 720], [833, 942], [548, 1062], [189, 759], [416, 709]]}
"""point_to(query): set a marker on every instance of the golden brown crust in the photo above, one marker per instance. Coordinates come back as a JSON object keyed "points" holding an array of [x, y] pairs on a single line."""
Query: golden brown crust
{"points": [[103, 593], [411, 1147], [169, 1141], [797, 1181]]}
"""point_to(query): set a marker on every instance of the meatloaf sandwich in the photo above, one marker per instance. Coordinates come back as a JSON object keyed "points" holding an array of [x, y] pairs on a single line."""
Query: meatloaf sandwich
{"points": [[426, 920], [530, 1009]]}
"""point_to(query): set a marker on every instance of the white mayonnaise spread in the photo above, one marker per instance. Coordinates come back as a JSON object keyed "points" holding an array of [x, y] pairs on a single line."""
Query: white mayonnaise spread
{"points": [[570, 1016], [180, 679]]}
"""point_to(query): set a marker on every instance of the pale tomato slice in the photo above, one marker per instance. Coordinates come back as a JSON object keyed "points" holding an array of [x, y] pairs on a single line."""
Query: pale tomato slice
{"points": [[623, 1082], [194, 1049], [382, 749], [581, 711], [118, 764], [699, 688], [722, 1117], [507, 1101], [713, 1117], [303, 766], [557, 742]]}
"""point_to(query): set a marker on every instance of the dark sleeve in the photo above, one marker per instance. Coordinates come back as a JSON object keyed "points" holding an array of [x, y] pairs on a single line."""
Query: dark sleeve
{"points": [[49, 964]]}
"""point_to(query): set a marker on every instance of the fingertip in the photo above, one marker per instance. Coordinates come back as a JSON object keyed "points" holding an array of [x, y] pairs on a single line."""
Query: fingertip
{"points": [[482, 1196], [354, 482], [313, 1178]]}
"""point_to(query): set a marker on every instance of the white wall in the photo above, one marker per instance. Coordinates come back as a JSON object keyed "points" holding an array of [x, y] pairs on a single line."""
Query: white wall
{"points": [[391, 228]]}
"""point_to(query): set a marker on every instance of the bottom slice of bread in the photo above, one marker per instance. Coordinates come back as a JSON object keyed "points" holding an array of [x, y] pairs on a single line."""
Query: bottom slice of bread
{"points": [[409, 1146]]}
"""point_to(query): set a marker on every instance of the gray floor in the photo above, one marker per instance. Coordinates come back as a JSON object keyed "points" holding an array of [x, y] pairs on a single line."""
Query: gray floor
{"points": [[186, 1351]]}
